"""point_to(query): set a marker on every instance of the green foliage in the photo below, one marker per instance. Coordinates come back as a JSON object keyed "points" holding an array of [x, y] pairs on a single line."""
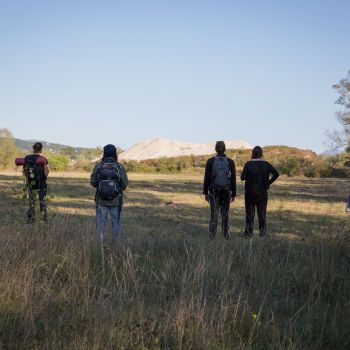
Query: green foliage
{"points": [[92, 153], [289, 167], [339, 172], [288, 160], [339, 165], [58, 162], [343, 115], [8, 149], [82, 165], [69, 152], [167, 165]]}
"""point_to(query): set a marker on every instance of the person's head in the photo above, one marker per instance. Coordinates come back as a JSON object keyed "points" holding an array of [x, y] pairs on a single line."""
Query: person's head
{"points": [[220, 147], [37, 147], [257, 152], [109, 151]]}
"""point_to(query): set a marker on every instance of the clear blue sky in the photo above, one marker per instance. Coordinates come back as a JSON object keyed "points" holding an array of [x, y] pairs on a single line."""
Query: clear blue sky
{"points": [[87, 73]]}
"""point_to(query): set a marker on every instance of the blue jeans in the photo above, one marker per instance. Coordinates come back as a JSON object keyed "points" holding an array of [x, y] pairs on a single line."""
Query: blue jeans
{"points": [[101, 221]]}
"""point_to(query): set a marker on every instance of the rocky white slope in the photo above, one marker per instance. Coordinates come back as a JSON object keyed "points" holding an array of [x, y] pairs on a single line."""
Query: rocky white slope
{"points": [[157, 148]]}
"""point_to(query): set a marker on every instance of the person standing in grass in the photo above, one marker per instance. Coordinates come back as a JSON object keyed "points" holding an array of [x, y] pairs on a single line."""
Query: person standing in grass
{"points": [[36, 171], [219, 188], [110, 180], [256, 174]]}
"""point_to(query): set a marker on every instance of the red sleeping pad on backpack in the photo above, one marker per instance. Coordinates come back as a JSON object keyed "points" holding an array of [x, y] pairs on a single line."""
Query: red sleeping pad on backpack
{"points": [[40, 161]]}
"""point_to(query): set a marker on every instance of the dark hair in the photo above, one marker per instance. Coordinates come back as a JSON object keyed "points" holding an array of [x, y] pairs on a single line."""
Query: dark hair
{"points": [[114, 157], [257, 152], [220, 147], [37, 147]]}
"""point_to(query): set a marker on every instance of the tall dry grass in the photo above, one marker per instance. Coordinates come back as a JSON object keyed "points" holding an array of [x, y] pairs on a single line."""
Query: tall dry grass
{"points": [[165, 286]]}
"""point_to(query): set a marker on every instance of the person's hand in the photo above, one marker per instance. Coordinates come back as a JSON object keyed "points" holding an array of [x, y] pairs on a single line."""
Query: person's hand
{"points": [[207, 198], [233, 199]]}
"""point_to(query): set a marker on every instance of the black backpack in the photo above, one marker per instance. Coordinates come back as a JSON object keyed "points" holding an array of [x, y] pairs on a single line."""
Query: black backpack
{"points": [[109, 180], [33, 172], [221, 174]]}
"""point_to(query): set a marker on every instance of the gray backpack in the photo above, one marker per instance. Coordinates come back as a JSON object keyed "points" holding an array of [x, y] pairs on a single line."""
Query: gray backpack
{"points": [[109, 184], [221, 174]]}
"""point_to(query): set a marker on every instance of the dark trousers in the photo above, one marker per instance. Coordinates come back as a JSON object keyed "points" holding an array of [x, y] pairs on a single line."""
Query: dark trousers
{"points": [[252, 201], [33, 194], [219, 202]]}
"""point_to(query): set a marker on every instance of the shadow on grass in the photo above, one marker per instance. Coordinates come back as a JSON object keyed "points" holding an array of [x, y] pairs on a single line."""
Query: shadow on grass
{"points": [[319, 190], [147, 214]]}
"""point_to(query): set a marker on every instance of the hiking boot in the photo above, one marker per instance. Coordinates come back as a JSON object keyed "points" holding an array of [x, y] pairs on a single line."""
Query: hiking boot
{"points": [[227, 235]]}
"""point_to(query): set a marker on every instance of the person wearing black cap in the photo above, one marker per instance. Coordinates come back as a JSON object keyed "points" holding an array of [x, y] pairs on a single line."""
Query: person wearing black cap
{"points": [[219, 188], [256, 174], [110, 180]]}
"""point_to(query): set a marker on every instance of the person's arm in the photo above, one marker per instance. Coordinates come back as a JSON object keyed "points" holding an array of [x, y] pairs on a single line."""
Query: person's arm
{"points": [[45, 167], [46, 170], [233, 179], [207, 179], [275, 174], [123, 177], [244, 173], [94, 176]]}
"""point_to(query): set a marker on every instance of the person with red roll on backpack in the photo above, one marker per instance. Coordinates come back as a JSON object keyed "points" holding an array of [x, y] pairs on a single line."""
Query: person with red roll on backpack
{"points": [[219, 188], [36, 171]]}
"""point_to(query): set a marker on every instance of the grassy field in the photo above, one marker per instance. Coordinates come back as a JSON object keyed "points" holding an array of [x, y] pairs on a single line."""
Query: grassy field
{"points": [[166, 286]]}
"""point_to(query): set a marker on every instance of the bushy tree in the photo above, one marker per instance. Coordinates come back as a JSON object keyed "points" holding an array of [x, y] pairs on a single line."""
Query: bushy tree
{"points": [[69, 152], [289, 167], [92, 154], [58, 162], [343, 115], [8, 149]]}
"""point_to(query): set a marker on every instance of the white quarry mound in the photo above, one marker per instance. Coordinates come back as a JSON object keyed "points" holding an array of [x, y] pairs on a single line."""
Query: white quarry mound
{"points": [[158, 148]]}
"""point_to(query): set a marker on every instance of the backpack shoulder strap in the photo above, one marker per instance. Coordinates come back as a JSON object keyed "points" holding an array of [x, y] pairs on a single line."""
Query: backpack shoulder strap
{"points": [[117, 164]]}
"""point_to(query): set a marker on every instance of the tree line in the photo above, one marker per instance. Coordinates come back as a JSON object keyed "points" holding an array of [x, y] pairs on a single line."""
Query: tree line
{"points": [[290, 161]]}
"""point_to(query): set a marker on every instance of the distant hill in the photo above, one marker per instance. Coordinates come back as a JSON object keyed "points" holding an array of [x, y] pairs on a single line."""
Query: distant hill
{"points": [[26, 145], [164, 148], [332, 152]]}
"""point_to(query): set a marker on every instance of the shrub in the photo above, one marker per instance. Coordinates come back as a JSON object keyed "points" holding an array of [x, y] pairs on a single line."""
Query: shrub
{"points": [[8, 149], [83, 165], [289, 167], [58, 162]]}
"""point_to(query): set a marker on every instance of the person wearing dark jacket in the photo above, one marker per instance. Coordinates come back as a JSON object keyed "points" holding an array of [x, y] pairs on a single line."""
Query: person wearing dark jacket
{"points": [[219, 188], [256, 174], [110, 180]]}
